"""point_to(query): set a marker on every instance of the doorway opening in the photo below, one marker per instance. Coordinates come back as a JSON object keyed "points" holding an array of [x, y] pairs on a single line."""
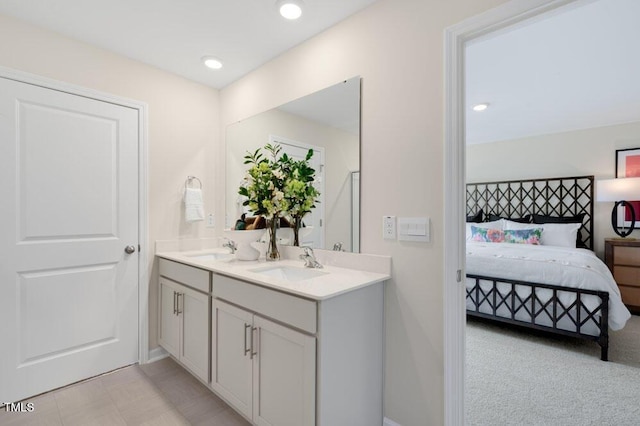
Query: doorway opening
{"points": [[456, 38]]}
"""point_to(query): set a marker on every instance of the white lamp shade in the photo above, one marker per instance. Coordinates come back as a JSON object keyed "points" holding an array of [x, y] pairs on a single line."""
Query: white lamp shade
{"points": [[627, 189]]}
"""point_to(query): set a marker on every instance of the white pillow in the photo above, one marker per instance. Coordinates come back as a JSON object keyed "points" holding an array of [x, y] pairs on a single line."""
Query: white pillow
{"points": [[511, 225], [553, 234], [560, 234], [496, 224]]}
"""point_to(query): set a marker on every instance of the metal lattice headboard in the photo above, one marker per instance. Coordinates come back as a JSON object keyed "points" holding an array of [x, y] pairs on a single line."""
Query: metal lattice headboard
{"points": [[565, 196]]}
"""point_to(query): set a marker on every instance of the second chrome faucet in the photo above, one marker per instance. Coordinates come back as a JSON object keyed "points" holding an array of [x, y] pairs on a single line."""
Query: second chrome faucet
{"points": [[309, 258]]}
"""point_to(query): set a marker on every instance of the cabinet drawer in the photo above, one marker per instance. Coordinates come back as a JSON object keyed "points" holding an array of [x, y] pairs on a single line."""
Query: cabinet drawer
{"points": [[626, 275], [187, 275], [626, 256], [292, 310], [630, 295]]}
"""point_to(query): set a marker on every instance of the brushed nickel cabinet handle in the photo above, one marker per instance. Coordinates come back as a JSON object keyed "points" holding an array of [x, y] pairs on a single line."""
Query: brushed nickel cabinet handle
{"points": [[175, 305], [246, 350], [253, 353]]}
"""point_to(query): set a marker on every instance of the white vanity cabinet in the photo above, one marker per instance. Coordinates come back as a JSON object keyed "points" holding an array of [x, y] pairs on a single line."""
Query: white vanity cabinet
{"points": [[283, 360], [304, 352], [184, 316], [264, 369]]}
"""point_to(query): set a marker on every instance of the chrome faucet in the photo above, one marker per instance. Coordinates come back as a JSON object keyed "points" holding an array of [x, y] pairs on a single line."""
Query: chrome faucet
{"points": [[230, 244], [338, 247], [309, 258]]}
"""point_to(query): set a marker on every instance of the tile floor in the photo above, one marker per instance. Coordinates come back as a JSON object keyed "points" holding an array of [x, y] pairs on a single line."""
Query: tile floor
{"points": [[160, 393]]}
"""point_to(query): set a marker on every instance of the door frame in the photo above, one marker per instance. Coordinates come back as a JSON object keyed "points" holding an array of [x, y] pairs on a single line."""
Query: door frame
{"points": [[455, 38], [143, 178]]}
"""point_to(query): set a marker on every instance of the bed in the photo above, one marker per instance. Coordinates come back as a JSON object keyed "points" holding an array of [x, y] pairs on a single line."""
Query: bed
{"points": [[562, 290]]}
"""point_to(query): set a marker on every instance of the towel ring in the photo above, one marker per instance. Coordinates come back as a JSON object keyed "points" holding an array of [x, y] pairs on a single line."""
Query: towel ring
{"points": [[190, 180]]}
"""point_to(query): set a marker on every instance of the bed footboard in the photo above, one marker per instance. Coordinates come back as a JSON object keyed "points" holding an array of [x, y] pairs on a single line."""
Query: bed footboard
{"points": [[561, 310]]}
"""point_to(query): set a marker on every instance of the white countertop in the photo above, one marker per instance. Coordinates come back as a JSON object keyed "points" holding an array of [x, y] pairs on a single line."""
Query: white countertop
{"points": [[333, 281]]}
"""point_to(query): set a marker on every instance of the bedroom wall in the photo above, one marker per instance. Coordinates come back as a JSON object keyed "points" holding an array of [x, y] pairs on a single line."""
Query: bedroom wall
{"points": [[396, 46], [183, 125], [575, 153]]}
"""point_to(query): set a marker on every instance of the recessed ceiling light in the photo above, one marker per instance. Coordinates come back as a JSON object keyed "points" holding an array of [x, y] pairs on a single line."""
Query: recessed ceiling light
{"points": [[211, 62], [480, 107], [290, 9]]}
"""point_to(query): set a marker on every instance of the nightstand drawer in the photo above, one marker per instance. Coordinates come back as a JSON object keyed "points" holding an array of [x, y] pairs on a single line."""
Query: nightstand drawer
{"points": [[630, 295], [626, 256], [627, 275]]}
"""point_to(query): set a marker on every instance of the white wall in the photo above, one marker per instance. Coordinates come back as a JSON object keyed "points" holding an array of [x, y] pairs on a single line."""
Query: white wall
{"points": [[576, 153], [183, 121], [396, 46], [341, 158]]}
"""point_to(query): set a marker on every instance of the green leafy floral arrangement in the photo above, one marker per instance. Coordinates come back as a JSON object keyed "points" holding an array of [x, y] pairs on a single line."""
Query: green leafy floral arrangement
{"points": [[277, 186], [299, 191], [264, 183]]}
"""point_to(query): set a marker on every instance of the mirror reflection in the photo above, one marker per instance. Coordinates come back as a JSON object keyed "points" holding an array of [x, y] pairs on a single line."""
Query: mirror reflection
{"points": [[328, 122]]}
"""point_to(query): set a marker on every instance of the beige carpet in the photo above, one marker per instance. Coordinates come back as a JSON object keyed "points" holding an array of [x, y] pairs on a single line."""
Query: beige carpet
{"points": [[517, 377]]}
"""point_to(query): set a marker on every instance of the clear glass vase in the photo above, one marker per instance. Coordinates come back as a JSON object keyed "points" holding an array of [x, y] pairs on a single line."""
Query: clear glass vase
{"points": [[272, 245], [297, 222]]}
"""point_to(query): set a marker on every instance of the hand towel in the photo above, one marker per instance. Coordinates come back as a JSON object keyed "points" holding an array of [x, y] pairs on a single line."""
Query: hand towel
{"points": [[193, 205]]}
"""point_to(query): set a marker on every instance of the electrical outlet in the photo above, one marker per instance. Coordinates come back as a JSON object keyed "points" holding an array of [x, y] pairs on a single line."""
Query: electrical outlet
{"points": [[389, 227], [211, 223]]}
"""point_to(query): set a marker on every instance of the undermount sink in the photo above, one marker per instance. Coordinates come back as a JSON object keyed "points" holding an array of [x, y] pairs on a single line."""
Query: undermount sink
{"points": [[289, 273], [210, 256]]}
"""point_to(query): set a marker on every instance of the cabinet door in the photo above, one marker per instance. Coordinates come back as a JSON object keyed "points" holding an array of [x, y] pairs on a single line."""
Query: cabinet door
{"points": [[284, 376], [193, 309], [169, 333], [231, 366]]}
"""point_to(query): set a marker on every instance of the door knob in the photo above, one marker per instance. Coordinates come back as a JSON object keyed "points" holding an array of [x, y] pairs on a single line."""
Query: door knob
{"points": [[129, 249]]}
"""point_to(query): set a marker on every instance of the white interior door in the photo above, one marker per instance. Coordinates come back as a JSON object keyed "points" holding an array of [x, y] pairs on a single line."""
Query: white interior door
{"points": [[69, 191], [314, 237]]}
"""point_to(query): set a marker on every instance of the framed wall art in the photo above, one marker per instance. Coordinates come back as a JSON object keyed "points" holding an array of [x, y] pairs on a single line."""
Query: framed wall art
{"points": [[628, 165]]}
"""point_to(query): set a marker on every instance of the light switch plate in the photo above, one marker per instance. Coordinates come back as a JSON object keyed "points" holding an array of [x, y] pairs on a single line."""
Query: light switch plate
{"points": [[414, 229]]}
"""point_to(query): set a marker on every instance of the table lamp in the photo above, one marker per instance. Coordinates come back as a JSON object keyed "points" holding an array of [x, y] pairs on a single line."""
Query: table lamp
{"points": [[621, 191]]}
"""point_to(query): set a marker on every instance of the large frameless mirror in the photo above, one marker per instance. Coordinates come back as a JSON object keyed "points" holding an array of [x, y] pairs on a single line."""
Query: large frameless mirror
{"points": [[327, 121]]}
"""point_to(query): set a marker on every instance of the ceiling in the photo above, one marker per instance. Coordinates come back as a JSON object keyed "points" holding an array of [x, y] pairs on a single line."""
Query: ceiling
{"points": [[571, 69], [175, 34], [575, 68]]}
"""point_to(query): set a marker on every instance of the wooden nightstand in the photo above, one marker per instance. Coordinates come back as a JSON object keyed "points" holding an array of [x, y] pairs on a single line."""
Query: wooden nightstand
{"points": [[622, 256]]}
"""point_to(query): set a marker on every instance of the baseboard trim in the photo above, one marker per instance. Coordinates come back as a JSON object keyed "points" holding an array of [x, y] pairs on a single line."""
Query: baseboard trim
{"points": [[157, 354], [389, 422]]}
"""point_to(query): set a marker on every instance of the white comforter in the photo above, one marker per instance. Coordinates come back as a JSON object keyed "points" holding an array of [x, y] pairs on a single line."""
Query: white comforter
{"points": [[579, 268]]}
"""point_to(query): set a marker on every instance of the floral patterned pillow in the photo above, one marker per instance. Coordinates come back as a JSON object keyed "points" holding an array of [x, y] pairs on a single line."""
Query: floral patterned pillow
{"points": [[523, 236], [514, 236], [486, 235]]}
